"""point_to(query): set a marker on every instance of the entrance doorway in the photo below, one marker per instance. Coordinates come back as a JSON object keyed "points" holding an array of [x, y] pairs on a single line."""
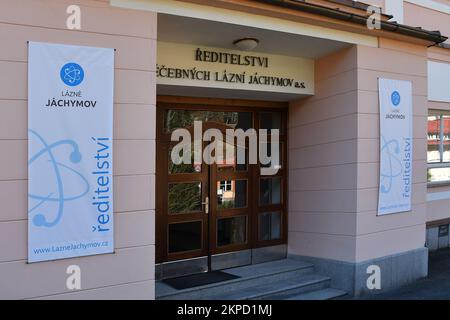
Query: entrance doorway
{"points": [[212, 216]]}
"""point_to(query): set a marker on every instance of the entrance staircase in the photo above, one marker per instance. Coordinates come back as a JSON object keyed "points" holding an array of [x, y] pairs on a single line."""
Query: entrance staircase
{"points": [[286, 279]]}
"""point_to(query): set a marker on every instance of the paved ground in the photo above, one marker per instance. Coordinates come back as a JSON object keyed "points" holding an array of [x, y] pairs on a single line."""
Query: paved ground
{"points": [[436, 286]]}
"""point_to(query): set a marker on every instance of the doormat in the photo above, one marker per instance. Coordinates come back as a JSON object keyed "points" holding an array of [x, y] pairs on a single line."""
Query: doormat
{"points": [[200, 279]]}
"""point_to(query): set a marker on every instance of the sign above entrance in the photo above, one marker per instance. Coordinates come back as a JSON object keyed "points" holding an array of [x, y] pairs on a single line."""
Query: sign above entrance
{"points": [[199, 66]]}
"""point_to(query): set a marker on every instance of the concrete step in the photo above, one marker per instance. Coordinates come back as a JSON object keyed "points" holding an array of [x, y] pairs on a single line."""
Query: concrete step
{"points": [[266, 277], [277, 290], [324, 294]]}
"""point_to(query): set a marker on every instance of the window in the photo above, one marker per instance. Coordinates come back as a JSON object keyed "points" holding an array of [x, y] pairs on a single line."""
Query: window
{"points": [[225, 185], [175, 118], [269, 225], [269, 191], [231, 231], [232, 194], [185, 236], [270, 120], [185, 197], [438, 153]]}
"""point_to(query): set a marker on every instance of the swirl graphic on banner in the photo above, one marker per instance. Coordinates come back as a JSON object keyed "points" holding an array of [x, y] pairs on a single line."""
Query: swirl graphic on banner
{"points": [[393, 167], [40, 220]]}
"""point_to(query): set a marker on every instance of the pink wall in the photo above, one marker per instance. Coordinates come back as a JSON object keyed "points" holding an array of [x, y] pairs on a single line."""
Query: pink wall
{"points": [[421, 16], [434, 20], [323, 165], [426, 18], [129, 273], [334, 161], [386, 235]]}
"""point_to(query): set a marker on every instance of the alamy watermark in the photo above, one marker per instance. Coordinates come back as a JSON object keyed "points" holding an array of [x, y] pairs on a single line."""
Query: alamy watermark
{"points": [[374, 19], [73, 21], [73, 281], [374, 280], [189, 150]]}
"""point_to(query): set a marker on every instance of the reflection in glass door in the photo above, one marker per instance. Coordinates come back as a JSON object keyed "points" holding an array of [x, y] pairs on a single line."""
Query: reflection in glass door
{"points": [[186, 215], [231, 209]]}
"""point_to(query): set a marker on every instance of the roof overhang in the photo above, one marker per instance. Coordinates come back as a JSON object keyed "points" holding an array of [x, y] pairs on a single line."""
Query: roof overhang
{"points": [[360, 19]]}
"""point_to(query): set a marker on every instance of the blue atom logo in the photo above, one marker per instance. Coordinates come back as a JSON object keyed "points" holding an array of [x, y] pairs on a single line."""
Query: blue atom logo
{"points": [[395, 98], [55, 168], [72, 74]]}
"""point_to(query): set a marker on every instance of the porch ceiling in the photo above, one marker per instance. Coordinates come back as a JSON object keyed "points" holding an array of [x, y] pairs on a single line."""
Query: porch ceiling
{"points": [[181, 29]]}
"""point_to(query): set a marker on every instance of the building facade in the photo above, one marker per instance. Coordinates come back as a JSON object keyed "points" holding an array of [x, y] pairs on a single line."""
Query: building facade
{"points": [[177, 62]]}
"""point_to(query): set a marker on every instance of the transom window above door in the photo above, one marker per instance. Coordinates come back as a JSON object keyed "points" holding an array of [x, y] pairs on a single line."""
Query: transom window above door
{"points": [[176, 119]]}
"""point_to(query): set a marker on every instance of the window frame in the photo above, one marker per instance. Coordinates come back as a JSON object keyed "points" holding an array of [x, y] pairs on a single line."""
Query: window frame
{"points": [[224, 186], [441, 164]]}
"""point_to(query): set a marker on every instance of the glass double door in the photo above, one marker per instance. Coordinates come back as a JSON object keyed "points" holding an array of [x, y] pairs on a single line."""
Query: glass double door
{"points": [[208, 209], [216, 203]]}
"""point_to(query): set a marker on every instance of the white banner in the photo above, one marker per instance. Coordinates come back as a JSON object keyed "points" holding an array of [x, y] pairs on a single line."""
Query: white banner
{"points": [[70, 125], [396, 146]]}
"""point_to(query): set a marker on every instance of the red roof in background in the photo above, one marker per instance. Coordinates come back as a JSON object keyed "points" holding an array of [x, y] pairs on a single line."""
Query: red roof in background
{"points": [[434, 125]]}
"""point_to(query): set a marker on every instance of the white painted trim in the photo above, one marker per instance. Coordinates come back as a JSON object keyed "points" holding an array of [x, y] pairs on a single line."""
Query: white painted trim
{"points": [[438, 80], [395, 8], [247, 19], [430, 4], [436, 196]]}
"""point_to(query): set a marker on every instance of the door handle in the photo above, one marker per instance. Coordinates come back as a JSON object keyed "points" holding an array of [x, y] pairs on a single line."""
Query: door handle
{"points": [[206, 203]]}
